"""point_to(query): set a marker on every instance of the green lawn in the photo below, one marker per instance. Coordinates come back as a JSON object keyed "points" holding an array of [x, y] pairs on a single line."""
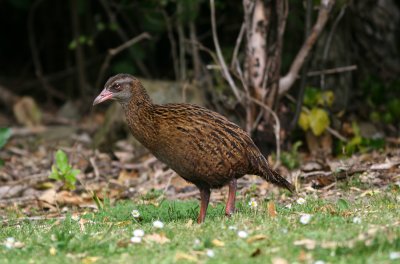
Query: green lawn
{"points": [[364, 231]]}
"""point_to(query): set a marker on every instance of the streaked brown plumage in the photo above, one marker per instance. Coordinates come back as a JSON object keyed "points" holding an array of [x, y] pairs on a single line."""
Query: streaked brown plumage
{"points": [[202, 146]]}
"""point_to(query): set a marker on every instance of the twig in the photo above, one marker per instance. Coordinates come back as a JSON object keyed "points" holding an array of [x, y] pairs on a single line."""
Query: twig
{"points": [[237, 45], [329, 41], [115, 51], [79, 52], [35, 54], [333, 71], [181, 39], [306, 66], [31, 180], [32, 218], [221, 59], [172, 43], [95, 168], [277, 127], [124, 37], [286, 82], [195, 51]]}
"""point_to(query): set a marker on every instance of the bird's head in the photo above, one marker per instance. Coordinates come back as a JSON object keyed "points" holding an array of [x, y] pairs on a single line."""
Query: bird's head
{"points": [[120, 87]]}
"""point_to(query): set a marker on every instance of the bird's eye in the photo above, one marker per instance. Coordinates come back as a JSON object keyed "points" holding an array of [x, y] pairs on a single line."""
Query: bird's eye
{"points": [[116, 88]]}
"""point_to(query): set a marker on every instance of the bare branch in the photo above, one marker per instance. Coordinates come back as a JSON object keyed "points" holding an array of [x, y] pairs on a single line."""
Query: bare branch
{"points": [[329, 41], [237, 46], [172, 43], [333, 71], [221, 59], [286, 82], [181, 39], [124, 37], [115, 51], [35, 54]]}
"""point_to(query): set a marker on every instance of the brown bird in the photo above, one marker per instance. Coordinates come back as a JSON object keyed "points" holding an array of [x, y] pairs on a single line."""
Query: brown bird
{"points": [[202, 146]]}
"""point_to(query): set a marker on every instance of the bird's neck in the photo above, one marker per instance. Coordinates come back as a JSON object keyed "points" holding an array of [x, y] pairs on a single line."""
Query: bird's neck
{"points": [[140, 118]]}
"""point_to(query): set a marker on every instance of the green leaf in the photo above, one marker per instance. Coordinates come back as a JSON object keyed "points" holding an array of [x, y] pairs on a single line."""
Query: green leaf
{"points": [[5, 134], [62, 161], [72, 45], [304, 121], [342, 204], [311, 96], [319, 121], [54, 173]]}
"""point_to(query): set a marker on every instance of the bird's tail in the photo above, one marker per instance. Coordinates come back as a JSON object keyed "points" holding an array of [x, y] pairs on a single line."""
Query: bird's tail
{"points": [[272, 176]]}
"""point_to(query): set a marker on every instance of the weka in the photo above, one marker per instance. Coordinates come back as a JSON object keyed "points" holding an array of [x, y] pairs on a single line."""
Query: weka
{"points": [[202, 146]]}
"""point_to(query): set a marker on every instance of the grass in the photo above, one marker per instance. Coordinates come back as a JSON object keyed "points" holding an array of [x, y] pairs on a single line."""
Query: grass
{"points": [[330, 236]]}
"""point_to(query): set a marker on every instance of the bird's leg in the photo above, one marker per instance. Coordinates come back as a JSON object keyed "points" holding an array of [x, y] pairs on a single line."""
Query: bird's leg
{"points": [[230, 204], [205, 199]]}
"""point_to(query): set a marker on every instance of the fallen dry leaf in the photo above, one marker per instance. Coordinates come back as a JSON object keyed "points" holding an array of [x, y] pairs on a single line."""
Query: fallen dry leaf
{"points": [[66, 197], [307, 243], [279, 260], [90, 260], [256, 238], [189, 223], [218, 243], [157, 238], [53, 251], [304, 256], [185, 256], [271, 209]]}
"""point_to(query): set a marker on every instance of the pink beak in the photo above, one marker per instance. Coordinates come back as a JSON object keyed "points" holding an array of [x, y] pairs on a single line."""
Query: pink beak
{"points": [[103, 96]]}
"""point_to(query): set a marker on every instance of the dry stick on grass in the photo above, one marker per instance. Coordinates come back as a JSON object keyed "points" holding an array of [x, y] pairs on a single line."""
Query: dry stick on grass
{"points": [[286, 82], [115, 51]]}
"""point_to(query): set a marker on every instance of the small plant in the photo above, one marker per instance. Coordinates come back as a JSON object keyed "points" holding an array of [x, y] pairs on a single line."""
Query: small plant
{"points": [[63, 171], [290, 159], [5, 134], [360, 144], [316, 118]]}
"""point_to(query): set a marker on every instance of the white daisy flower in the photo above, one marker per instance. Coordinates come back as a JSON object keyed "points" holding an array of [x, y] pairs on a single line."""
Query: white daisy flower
{"points": [[9, 243], [253, 203], [138, 233], [301, 200], [158, 224], [357, 220], [394, 255], [136, 240], [242, 234], [305, 219], [210, 253], [135, 213]]}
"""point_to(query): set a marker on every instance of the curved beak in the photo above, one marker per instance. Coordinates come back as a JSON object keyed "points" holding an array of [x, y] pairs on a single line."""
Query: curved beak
{"points": [[103, 96]]}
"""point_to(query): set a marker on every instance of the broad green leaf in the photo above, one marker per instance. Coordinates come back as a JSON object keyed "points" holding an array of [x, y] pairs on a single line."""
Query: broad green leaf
{"points": [[327, 98], [319, 121], [304, 121], [311, 96], [62, 161], [5, 134], [343, 204], [54, 173]]}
